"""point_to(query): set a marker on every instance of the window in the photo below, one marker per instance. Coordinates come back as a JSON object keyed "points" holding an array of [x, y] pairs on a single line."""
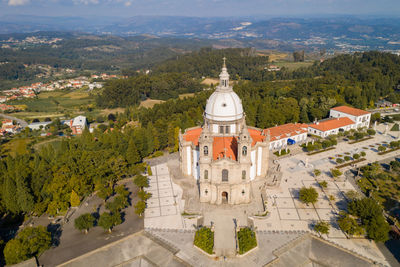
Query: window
{"points": [[205, 150], [221, 129], [244, 175], [243, 192], [206, 191], [227, 129], [205, 174], [244, 151], [225, 175]]}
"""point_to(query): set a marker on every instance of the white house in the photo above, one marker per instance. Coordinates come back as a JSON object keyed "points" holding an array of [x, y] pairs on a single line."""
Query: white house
{"points": [[37, 125], [78, 124], [360, 117]]}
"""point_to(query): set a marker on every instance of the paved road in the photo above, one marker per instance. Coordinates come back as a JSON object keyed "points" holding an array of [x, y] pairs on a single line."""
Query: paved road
{"points": [[21, 122]]}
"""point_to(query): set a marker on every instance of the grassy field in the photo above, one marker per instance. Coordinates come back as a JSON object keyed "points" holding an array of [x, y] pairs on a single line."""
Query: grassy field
{"points": [[182, 96], [149, 103], [55, 104], [15, 146], [293, 65]]}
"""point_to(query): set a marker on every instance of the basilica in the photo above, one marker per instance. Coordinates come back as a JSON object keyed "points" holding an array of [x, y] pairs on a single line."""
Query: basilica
{"points": [[224, 154]]}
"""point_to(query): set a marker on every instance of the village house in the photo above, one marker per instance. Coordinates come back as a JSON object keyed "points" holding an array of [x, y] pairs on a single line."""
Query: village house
{"points": [[78, 124]]}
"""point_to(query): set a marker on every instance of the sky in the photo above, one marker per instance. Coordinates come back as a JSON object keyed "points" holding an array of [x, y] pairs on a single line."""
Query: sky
{"points": [[199, 8]]}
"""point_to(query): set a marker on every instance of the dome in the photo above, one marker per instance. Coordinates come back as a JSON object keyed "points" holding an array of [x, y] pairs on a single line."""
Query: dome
{"points": [[224, 106]]}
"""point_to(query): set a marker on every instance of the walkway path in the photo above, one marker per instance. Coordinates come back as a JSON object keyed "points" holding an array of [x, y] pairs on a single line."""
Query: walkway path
{"points": [[224, 236]]}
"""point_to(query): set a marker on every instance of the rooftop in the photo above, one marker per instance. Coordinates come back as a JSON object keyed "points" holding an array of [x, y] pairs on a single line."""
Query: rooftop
{"points": [[331, 124], [225, 146], [192, 135], [351, 111], [285, 131]]}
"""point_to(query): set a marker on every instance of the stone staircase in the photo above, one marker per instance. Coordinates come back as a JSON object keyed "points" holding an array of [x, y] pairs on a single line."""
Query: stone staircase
{"points": [[225, 237]]}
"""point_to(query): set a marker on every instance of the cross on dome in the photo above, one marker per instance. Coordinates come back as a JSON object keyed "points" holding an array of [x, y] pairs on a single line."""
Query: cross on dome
{"points": [[224, 77]]}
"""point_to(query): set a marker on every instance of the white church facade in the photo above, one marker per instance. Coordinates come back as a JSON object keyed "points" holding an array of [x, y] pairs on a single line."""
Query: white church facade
{"points": [[224, 155]]}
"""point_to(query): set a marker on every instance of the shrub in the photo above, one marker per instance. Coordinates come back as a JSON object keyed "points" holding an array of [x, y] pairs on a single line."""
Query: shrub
{"points": [[335, 173], [339, 160], [308, 195], [356, 156], [204, 239], [317, 172], [323, 184], [247, 240], [347, 158], [322, 227], [394, 144], [371, 132], [381, 148], [326, 144], [362, 153]]}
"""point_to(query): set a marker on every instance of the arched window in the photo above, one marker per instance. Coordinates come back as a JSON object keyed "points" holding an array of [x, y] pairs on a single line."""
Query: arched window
{"points": [[205, 150], [225, 174], [205, 174], [244, 151], [243, 175]]}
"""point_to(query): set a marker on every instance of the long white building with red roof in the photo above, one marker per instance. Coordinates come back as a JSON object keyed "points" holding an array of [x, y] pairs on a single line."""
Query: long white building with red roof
{"points": [[224, 154]]}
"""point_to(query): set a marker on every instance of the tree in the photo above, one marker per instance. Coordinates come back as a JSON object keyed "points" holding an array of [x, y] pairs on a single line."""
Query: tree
{"points": [[362, 153], [335, 173], [84, 222], [370, 213], [347, 158], [349, 225], [356, 156], [143, 195], [322, 227], [308, 195], [141, 181], [74, 199], [339, 160], [140, 207], [352, 195], [317, 172], [132, 153], [105, 192], [15, 252], [107, 220], [358, 135], [30, 242]]}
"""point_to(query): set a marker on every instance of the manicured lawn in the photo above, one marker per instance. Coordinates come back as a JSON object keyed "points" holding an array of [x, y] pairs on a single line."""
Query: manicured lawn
{"points": [[204, 239], [247, 240]]}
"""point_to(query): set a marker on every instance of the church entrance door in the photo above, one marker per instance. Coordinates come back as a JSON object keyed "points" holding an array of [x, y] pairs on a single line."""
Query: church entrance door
{"points": [[224, 197]]}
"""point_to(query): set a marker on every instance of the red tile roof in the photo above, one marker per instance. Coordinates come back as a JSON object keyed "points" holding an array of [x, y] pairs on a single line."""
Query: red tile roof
{"points": [[331, 124], [193, 135], [225, 146], [256, 135], [351, 111], [286, 130]]}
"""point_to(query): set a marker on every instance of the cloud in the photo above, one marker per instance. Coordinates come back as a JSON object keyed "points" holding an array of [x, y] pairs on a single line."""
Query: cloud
{"points": [[17, 2], [128, 3]]}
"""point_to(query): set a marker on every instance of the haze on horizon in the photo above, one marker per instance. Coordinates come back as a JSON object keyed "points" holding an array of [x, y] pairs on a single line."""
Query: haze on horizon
{"points": [[199, 8]]}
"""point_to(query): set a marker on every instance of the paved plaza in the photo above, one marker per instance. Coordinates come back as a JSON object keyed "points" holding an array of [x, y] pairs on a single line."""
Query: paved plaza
{"points": [[286, 213]]}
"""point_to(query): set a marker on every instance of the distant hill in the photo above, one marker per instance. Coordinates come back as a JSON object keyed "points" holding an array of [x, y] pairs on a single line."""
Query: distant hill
{"points": [[338, 32]]}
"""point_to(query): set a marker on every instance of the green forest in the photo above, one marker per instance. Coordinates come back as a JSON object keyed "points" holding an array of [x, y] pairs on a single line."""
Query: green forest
{"points": [[43, 180]]}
